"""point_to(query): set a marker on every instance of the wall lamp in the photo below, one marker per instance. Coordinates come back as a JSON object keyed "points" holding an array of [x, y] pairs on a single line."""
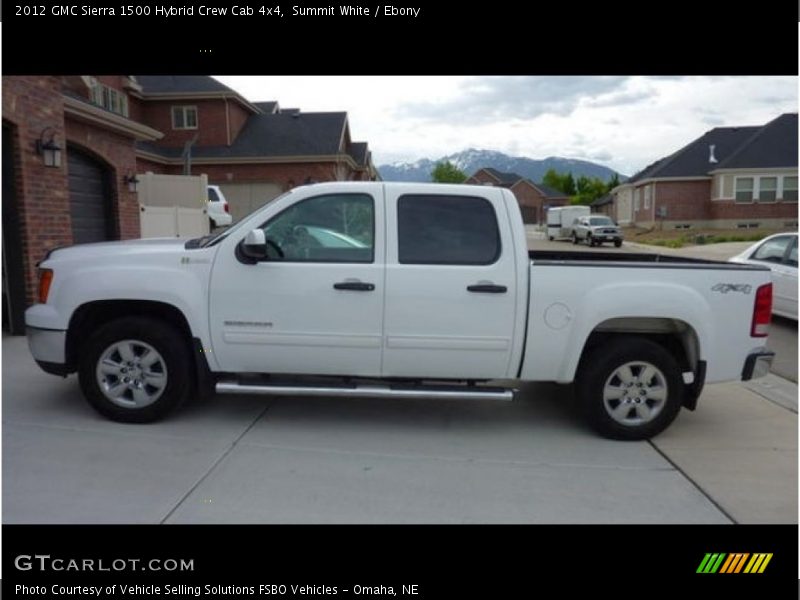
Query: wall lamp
{"points": [[133, 182], [49, 148]]}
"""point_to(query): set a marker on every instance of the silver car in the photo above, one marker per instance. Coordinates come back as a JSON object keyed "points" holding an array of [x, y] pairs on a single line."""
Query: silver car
{"points": [[595, 230]]}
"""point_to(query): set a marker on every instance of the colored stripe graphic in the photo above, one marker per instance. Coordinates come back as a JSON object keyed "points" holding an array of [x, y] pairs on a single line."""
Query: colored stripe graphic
{"points": [[711, 562], [758, 563], [734, 563], [720, 562]]}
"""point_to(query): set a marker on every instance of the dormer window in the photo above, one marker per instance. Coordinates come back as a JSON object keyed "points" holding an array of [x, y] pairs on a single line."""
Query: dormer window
{"points": [[109, 98], [184, 117]]}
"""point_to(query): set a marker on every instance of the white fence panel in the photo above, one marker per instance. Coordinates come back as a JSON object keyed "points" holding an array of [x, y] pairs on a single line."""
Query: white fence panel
{"points": [[173, 205]]}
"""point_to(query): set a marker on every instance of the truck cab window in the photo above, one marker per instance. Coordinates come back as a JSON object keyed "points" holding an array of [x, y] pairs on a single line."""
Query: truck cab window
{"points": [[330, 228], [447, 230]]}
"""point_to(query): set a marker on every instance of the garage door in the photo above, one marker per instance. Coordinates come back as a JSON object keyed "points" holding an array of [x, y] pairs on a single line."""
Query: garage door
{"points": [[244, 198], [90, 199]]}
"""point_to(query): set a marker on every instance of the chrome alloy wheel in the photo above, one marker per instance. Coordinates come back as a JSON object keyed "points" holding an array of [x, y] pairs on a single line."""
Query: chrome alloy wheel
{"points": [[635, 393], [131, 373]]}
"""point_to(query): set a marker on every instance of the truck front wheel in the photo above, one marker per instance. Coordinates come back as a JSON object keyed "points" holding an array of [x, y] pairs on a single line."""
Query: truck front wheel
{"points": [[135, 369], [630, 388]]}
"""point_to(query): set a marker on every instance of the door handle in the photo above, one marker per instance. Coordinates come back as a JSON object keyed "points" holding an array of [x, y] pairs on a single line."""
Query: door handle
{"points": [[487, 288], [355, 286]]}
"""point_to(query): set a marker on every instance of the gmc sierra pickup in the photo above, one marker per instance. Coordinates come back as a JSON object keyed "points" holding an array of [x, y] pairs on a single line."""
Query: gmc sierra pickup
{"points": [[394, 290]]}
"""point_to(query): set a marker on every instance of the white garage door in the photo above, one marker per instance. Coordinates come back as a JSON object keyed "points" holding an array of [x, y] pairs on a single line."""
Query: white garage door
{"points": [[244, 198]]}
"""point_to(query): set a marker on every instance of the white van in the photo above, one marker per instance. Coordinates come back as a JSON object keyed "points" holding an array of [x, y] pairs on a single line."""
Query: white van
{"points": [[561, 218]]}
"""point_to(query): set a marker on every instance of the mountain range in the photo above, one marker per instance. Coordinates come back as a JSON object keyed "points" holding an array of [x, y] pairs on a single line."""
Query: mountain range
{"points": [[472, 159]]}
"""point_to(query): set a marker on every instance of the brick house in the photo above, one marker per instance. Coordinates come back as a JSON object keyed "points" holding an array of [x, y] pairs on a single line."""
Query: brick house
{"points": [[534, 198], [108, 128], [731, 177], [253, 151]]}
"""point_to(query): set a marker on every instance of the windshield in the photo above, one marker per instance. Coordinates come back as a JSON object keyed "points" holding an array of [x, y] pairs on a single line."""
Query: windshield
{"points": [[215, 238], [600, 221]]}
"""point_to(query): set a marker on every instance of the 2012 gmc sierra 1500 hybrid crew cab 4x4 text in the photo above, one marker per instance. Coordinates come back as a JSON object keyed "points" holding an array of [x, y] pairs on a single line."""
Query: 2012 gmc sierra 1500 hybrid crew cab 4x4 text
{"points": [[394, 290]]}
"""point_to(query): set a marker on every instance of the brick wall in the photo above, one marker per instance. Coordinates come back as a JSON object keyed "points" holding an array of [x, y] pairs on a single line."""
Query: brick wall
{"points": [[212, 124], [31, 104], [685, 200], [728, 209], [238, 117], [691, 201], [286, 175], [143, 166], [481, 177], [532, 199], [118, 153]]}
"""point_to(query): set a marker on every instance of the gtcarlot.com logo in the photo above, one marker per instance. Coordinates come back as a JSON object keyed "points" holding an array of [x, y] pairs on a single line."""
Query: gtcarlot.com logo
{"points": [[737, 562]]}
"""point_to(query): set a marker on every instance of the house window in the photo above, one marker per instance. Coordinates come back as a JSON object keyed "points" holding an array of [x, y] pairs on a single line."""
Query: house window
{"points": [[109, 98], [647, 193], [790, 189], [767, 189], [744, 189], [184, 117]]}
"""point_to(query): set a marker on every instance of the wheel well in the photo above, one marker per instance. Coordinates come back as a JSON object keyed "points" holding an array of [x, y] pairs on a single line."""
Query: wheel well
{"points": [[676, 336], [89, 317]]}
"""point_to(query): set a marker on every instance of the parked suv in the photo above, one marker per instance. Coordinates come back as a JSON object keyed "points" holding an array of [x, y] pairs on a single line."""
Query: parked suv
{"points": [[596, 229], [218, 210]]}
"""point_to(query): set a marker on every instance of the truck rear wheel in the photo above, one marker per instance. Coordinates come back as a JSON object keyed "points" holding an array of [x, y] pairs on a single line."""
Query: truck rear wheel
{"points": [[574, 238], [136, 370], [630, 388]]}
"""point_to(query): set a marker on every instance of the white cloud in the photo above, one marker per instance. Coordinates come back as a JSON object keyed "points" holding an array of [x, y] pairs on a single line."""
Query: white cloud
{"points": [[623, 122]]}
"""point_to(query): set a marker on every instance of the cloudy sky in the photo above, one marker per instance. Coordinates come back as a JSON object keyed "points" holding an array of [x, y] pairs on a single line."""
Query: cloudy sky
{"points": [[622, 122]]}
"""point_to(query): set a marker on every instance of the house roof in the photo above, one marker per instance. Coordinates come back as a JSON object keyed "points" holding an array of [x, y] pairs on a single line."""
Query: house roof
{"points": [[505, 179], [693, 159], [773, 145], [603, 200], [767, 146], [180, 84], [359, 152], [266, 107], [303, 134], [550, 192]]}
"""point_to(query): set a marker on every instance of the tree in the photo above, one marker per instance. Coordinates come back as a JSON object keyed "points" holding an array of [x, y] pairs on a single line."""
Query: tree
{"points": [[569, 185], [613, 182], [553, 179], [447, 172]]}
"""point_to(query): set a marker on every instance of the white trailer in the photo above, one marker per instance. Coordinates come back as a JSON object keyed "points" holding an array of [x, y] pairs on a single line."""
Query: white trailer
{"points": [[561, 218]]}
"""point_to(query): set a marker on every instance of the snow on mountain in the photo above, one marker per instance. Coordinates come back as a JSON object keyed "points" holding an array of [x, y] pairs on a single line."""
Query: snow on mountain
{"points": [[472, 159]]}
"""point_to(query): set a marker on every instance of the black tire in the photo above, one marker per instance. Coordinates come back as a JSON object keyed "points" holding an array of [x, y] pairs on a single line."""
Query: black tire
{"points": [[211, 226], [589, 240], [617, 243], [599, 369], [174, 363], [551, 238], [574, 238]]}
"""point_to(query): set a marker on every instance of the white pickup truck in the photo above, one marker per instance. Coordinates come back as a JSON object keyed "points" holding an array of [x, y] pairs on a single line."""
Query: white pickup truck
{"points": [[395, 290]]}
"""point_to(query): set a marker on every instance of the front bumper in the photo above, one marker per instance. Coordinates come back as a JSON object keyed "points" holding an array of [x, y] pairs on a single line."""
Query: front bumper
{"points": [[757, 364], [48, 347]]}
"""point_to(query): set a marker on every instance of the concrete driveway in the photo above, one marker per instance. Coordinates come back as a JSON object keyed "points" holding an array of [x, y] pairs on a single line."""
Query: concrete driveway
{"points": [[304, 460]]}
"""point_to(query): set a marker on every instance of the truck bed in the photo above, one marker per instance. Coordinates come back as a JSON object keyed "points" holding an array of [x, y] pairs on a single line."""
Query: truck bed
{"points": [[629, 259]]}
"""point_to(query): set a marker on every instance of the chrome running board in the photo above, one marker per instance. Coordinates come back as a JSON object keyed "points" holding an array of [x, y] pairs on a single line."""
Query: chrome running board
{"points": [[367, 391]]}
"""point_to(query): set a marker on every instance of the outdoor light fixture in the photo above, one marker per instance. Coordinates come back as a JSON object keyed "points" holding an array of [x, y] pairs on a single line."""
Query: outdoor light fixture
{"points": [[132, 182], [49, 148]]}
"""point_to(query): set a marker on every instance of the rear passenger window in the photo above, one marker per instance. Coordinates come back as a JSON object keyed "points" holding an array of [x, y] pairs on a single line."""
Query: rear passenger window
{"points": [[446, 230]]}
